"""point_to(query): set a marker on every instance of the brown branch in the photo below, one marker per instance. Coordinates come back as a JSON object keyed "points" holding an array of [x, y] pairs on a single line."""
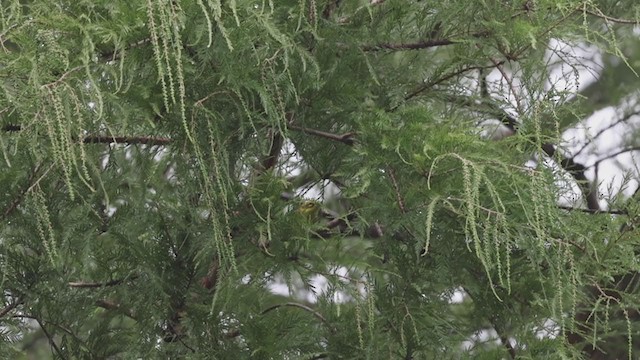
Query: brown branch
{"points": [[425, 44], [10, 307], [346, 138], [83, 284], [600, 15], [303, 307], [590, 211], [129, 140], [274, 151], [50, 338], [396, 189]]}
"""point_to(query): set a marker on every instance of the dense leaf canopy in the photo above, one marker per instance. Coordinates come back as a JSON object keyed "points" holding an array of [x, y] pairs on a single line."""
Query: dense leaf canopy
{"points": [[317, 179]]}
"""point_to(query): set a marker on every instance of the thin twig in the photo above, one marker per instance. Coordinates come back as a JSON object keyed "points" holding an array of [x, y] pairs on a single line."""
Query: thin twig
{"points": [[602, 131], [396, 189], [61, 78], [620, 152], [435, 82], [509, 81]]}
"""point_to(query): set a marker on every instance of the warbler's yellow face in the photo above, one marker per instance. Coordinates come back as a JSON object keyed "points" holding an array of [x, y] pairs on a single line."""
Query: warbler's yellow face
{"points": [[310, 210]]}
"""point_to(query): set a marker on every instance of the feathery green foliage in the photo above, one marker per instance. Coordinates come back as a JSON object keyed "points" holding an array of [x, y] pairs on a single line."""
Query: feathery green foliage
{"points": [[155, 154]]}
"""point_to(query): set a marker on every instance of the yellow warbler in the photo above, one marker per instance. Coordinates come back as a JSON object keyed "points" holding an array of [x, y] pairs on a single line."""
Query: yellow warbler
{"points": [[310, 210]]}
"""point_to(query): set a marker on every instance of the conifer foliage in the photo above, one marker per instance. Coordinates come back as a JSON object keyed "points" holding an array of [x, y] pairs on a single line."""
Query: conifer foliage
{"points": [[316, 179]]}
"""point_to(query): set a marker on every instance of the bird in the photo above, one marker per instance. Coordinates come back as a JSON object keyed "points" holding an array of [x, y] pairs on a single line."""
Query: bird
{"points": [[310, 211]]}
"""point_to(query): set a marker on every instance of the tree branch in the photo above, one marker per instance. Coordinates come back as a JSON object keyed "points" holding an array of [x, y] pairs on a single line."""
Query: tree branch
{"points": [[346, 138], [590, 211], [619, 152], [300, 306], [83, 284], [600, 15], [50, 338], [129, 140], [425, 44], [10, 307]]}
